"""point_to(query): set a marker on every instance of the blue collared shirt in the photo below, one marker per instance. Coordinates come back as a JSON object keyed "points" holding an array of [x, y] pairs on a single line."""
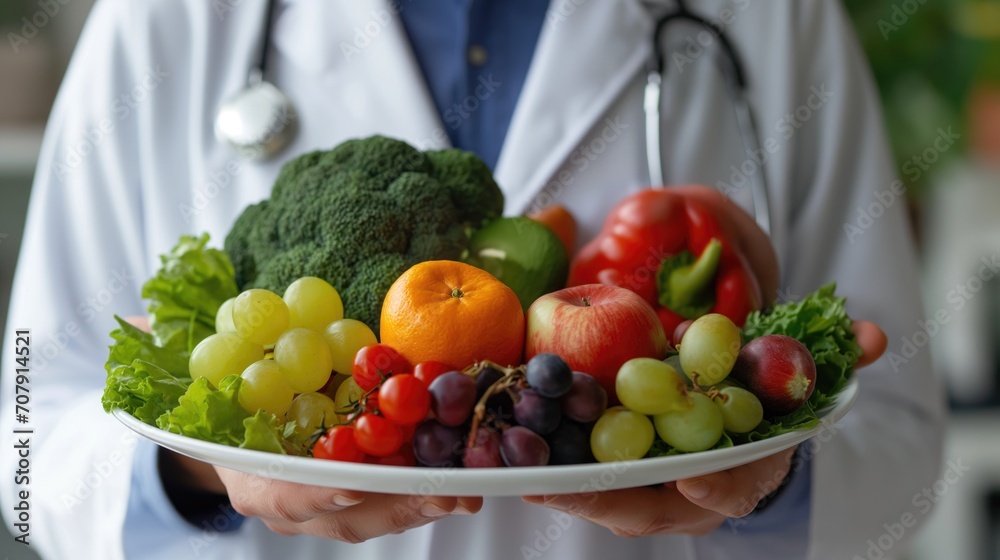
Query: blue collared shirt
{"points": [[475, 56]]}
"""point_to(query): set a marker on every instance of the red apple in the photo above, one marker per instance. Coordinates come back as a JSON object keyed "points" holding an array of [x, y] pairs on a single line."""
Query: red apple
{"points": [[779, 370], [595, 328]]}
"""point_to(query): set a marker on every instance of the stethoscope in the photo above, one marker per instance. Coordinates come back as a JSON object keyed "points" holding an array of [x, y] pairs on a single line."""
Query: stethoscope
{"points": [[260, 121]]}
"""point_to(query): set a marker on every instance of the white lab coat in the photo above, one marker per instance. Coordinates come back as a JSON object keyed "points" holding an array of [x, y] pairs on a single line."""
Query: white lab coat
{"points": [[130, 163]]}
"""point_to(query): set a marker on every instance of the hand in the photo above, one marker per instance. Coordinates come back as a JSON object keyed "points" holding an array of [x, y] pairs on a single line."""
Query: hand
{"points": [[694, 506], [700, 505], [344, 515], [288, 508]]}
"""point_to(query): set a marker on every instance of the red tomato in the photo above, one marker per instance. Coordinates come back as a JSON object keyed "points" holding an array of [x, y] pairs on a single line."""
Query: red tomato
{"points": [[376, 435], [404, 399], [402, 458], [371, 402], [429, 371], [408, 432], [338, 444], [374, 363]]}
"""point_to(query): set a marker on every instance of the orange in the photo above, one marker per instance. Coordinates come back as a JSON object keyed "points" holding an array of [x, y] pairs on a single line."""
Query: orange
{"points": [[561, 222], [454, 313]]}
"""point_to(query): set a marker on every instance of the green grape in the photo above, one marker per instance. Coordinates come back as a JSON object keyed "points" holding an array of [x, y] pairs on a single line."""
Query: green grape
{"points": [[675, 362], [649, 386], [621, 435], [331, 387], [304, 358], [709, 349], [345, 337], [260, 316], [310, 412], [313, 304], [741, 409], [223, 354], [348, 395], [264, 388], [224, 317], [695, 429]]}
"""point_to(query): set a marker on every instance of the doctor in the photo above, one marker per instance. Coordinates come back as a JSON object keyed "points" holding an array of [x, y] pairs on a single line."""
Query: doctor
{"points": [[549, 95]]}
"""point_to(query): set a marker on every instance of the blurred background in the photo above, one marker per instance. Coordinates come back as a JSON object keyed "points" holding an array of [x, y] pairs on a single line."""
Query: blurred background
{"points": [[937, 63]]}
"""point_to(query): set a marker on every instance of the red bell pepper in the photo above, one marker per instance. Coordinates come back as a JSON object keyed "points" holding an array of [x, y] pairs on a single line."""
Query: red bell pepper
{"points": [[675, 252]]}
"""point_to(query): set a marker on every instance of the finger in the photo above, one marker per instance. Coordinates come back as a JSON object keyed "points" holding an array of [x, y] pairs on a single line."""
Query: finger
{"points": [[736, 492], [255, 496], [380, 514], [635, 511], [872, 340], [468, 506], [754, 243], [138, 321]]}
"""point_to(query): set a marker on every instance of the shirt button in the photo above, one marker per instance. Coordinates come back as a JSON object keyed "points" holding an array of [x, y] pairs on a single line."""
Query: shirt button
{"points": [[477, 55]]}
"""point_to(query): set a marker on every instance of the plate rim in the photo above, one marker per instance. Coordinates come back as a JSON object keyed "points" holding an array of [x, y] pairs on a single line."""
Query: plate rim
{"points": [[294, 468]]}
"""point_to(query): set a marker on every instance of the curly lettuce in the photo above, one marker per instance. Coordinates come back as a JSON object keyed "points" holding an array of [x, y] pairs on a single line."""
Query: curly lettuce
{"points": [[148, 374]]}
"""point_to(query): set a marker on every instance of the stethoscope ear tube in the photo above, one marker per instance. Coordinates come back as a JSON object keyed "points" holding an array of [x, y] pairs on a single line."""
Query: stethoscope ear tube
{"points": [[736, 82], [651, 106]]}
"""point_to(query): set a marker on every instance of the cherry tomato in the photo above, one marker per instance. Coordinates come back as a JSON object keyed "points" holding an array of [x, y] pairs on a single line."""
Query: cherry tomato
{"points": [[371, 402], [402, 458], [408, 432], [404, 399], [338, 444], [376, 435], [374, 363], [429, 371]]}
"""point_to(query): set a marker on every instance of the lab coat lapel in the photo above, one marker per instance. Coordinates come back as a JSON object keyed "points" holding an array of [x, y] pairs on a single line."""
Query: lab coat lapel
{"points": [[586, 55], [366, 57]]}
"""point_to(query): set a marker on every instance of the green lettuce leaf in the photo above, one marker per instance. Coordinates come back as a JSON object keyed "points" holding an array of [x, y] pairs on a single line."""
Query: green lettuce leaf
{"points": [[820, 322], [209, 414], [804, 418], [662, 449], [263, 432], [193, 281], [143, 379]]}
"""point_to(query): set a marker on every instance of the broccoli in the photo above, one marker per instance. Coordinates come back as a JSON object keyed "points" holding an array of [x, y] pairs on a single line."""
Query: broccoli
{"points": [[361, 214]]}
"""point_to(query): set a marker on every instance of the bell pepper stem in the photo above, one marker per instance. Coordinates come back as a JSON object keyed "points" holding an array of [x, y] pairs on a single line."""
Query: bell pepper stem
{"points": [[683, 284]]}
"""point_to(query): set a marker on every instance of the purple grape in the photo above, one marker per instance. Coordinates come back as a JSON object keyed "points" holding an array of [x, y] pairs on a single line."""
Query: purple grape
{"points": [[549, 375], [537, 413], [487, 377], [500, 404], [520, 447], [453, 396], [569, 444], [437, 445], [485, 451], [586, 400]]}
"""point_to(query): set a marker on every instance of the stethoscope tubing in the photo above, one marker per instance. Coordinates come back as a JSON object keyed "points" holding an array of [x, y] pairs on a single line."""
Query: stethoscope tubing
{"points": [[737, 84], [652, 98]]}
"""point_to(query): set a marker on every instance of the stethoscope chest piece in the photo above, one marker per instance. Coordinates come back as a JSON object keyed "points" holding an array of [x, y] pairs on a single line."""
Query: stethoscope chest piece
{"points": [[257, 122]]}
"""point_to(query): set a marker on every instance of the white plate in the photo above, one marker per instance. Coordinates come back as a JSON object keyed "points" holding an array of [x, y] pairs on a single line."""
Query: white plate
{"points": [[486, 482]]}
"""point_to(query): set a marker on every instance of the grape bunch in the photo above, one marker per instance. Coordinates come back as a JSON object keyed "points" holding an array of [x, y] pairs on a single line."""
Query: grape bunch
{"points": [[490, 416], [686, 400], [287, 350]]}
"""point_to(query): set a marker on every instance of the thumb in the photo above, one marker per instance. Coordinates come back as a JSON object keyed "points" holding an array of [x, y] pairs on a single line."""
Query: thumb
{"points": [[139, 322], [872, 340]]}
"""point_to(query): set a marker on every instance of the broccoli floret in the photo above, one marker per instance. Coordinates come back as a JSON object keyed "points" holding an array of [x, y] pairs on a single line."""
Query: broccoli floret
{"points": [[373, 278], [302, 260], [360, 215], [238, 245], [470, 184], [383, 159]]}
